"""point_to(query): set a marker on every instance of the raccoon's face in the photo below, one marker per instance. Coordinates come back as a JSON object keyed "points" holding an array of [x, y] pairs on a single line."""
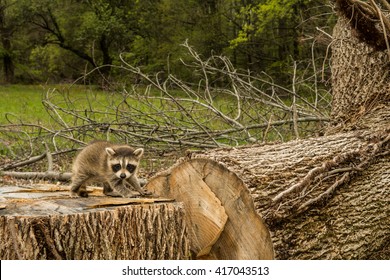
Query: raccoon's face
{"points": [[123, 162]]}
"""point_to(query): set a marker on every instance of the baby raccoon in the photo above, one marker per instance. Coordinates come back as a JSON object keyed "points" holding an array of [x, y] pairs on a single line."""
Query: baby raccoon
{"points": [[113, 165]]}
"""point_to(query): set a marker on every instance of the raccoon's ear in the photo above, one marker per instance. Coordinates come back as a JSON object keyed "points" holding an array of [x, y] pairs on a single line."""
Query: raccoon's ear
{"points": [[110, 151], [138, 153]]}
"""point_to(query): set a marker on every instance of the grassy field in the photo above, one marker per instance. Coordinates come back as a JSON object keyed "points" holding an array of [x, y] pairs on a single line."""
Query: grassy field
{"points": [[24, 102], [140, 116], [21, 102]]}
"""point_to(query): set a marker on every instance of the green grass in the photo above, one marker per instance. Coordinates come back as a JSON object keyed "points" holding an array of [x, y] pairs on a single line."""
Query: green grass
{"points": [[24, 104], [21, 102]]}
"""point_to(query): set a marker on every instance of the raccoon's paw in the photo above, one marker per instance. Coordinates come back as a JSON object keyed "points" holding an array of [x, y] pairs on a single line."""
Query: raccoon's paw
{"points": [[83, 193], [74, 194], [78, 194], [146, 193], [132, 194], [112, 193]]}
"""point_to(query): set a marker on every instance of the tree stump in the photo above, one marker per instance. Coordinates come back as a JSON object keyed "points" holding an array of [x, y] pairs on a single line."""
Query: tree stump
{"points": [[43, 222], [223, 223]]}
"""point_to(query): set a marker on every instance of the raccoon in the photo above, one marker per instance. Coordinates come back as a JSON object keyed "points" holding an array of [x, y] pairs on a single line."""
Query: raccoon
{"points": [[115, 166]]}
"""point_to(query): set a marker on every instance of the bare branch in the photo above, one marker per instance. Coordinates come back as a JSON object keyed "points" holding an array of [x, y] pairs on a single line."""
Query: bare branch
{"points": [[164, 113], [49, 175]]}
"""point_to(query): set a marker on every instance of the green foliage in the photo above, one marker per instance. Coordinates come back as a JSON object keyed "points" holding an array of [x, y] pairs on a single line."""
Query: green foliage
{"points": [[46, 62], [56, 40], [274, 32]]}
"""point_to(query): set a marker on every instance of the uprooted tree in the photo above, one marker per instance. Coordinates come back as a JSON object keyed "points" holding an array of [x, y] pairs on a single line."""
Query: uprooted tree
{"points": [[321, 198]]}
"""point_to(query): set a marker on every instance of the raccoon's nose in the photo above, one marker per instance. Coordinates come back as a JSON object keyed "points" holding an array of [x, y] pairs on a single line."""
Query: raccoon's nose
{"points": [[123, 175]]}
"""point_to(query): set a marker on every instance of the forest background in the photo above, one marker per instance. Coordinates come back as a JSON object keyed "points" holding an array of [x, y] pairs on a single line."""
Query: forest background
{"points": [[166, 75], [56, 41]]}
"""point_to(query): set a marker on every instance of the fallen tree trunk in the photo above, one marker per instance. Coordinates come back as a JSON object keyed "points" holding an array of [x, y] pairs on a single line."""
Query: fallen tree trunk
{"points": [[45, 223], [322, 198]]}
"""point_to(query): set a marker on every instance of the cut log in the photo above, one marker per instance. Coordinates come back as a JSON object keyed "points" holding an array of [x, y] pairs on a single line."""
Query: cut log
{"points": [[205, 187], [208, 216], [45, 223], [322, 198]]}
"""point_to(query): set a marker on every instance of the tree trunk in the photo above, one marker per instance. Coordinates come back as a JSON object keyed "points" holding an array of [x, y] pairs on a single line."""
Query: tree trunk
{"points": [[321, 198], [339, 203], [45, 223], [360, 81], [8, 65], [5, 34]]}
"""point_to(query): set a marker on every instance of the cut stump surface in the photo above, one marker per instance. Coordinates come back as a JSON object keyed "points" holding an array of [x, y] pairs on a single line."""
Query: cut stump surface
{"points": [[243, 235], [43, 222]]}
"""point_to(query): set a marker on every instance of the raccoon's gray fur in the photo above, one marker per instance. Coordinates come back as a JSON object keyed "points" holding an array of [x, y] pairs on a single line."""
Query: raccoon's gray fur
{"points": [[113, 165]]}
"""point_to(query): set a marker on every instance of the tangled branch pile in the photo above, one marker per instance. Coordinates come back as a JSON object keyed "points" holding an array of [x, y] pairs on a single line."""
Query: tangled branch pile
{"points": [[226, 107]]}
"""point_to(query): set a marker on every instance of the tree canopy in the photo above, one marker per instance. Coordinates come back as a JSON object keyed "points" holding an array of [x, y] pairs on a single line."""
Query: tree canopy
{"points": [[58, 40]]}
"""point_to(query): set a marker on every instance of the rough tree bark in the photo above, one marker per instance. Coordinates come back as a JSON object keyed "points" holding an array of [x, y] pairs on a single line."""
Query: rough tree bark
{"points": [[325, 197], [45, 223], [340, 205], [360, 81]]}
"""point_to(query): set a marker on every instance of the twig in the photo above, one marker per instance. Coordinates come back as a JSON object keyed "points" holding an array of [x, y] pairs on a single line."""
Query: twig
{"points": [[323, 195], [385, 25], [308, 178], [294, 105], [49, 175], [179, 113], [33, 160], [323, 32], [363, 157], [25, 162], [49, 158]]}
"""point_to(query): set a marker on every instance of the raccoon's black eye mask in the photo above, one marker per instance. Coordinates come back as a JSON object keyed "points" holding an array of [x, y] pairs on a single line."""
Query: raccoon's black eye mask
{"points": [[116, 167], [130, 167]]}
